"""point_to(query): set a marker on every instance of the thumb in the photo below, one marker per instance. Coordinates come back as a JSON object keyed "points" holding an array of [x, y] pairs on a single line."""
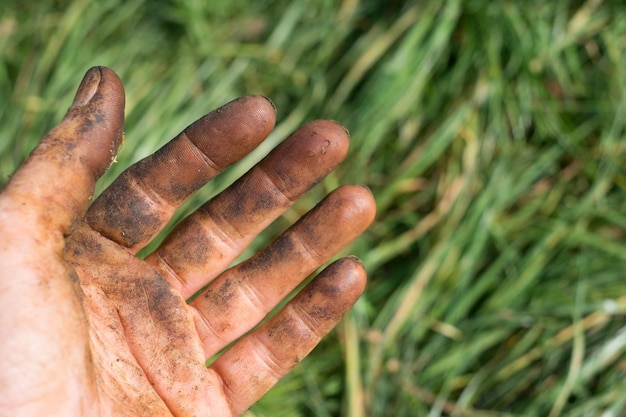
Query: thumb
{"points": [[55, 184]]}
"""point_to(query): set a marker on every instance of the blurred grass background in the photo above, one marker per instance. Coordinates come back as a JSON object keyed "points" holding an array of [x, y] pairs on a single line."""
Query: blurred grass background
{"points": [[491, 132]]}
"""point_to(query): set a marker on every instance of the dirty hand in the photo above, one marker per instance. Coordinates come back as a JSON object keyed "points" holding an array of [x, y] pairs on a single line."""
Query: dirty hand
{"points": [[89, 329]]}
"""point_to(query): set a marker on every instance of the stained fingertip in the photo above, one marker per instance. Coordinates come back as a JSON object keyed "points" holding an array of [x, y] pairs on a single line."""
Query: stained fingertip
{"points": [[330, 129], [233, 130], [353, 205], [97, 119], [345, 280], [353, 268], [342, 126], [307, 156], [271, 102]]}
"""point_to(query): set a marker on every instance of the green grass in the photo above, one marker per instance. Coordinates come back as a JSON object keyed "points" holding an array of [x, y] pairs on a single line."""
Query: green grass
{"points": [[491, 132]]}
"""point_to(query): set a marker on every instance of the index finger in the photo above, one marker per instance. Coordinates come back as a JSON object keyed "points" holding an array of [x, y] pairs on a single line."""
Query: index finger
{"points": [[144, 197]]}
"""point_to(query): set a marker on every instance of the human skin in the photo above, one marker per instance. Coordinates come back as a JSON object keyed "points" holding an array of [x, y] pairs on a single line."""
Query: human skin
{"points": [[89, 329]]}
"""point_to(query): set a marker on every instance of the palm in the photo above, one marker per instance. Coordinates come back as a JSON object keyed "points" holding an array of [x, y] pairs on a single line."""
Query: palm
{"points": [[147, 356], [137, 347]]}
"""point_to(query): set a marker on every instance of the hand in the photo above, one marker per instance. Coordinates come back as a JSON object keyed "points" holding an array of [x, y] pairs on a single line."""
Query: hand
{"points": [[89, 329]]}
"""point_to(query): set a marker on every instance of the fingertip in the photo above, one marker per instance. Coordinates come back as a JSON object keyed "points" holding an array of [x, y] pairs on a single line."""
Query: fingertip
{"points": [[95, 121], [230, 132], [110, 98], [271, 102], [307, 156], [336, 221], [329, 135], [112, 89], [346, 277], [354, 204], [341, 126], [262, 107]]}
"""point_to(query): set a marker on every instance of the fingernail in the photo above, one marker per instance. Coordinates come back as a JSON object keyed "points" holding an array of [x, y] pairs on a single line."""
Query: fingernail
{"points": [[271, 102], [345, 129], [88, 87]]}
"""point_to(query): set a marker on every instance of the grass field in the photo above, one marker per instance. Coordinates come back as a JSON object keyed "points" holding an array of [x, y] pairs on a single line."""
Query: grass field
{"points": [[491, 132]]}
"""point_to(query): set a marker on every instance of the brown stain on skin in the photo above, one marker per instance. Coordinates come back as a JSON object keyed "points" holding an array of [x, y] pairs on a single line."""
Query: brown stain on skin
{"points": [[222, 294], [287, 329], [91, 119], [268, 257], [219, 295], [154, 296], [174, 172], [233, 130], [320, 306], [124, 216], [346, 212], [88, 247], [231, 205], [291, 164], [94, 124], [192, 246], [266, 202], [342, 280]]}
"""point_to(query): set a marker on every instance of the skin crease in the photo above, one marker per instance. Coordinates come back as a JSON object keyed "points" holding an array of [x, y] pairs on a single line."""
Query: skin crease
{"points": [[89, 329]]}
